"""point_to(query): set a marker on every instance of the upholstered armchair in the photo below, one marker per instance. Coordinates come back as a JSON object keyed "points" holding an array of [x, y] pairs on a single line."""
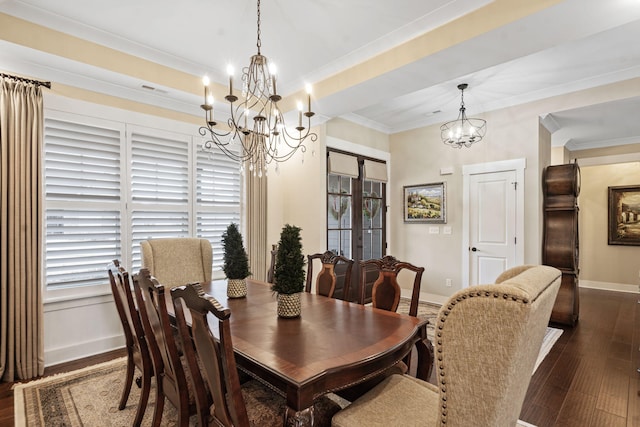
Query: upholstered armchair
{"points": [[487, 339], [178, 261]]}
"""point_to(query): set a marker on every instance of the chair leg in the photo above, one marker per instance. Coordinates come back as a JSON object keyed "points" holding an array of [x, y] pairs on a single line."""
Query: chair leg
{"points": [[145, 385], [127, 382], [183, 410], [157, 412]]}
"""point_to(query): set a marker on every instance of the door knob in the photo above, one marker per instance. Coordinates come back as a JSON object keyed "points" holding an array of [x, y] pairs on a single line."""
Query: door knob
{"points": [[474, 249]]}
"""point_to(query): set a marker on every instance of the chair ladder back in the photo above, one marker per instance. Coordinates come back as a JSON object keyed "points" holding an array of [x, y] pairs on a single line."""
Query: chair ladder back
{"points": [[386, 290], [116, 278], [327, 280], [152, 304], [217, 360], [417, 281], [272, 263], [138, 354]]}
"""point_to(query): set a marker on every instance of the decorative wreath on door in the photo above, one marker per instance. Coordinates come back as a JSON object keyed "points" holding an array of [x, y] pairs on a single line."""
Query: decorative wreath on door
{"points": [[370, 205], [338, 206]]}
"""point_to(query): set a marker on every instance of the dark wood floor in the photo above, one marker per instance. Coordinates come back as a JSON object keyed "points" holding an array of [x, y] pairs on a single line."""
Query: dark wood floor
{"points": [[589, 378]]}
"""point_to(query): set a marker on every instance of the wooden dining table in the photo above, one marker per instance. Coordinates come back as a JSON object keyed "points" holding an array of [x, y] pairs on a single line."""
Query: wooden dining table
{"points": [[333, 345]]}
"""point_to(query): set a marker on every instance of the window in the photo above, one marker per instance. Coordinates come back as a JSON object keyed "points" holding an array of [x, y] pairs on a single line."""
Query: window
{"points": [[108, 185]]}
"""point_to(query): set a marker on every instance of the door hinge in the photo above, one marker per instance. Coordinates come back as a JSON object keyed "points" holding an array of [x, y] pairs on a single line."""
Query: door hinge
{"points": [[515, 240]]}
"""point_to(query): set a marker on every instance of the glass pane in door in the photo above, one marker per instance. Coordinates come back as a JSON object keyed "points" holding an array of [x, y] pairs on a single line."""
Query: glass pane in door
{"points": [[339, 222], [372, 224]]}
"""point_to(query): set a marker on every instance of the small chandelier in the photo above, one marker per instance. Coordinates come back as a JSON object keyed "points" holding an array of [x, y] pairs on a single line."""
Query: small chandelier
{"points": [[258, 134], [463, 131]]}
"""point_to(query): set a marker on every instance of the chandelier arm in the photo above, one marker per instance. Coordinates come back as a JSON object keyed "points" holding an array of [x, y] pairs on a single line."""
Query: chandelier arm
{"points": [[215, 142]]}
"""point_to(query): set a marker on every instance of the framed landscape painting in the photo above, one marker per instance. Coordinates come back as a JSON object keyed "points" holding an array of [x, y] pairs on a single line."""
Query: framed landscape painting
{"points": [[624, 215], [425, 203]]}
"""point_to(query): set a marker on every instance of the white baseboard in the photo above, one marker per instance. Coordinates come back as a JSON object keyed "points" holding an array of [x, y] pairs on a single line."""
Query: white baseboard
{"points": [[77, 351], [426, 297], [608, 286]]}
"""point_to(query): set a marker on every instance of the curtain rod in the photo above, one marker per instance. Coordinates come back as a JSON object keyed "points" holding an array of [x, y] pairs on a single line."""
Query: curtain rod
{"points": [[26, 80]]}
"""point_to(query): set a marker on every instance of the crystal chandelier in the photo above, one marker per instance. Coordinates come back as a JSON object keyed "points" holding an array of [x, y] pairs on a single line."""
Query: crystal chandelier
{"points": [[258, 134], [463, 131]]}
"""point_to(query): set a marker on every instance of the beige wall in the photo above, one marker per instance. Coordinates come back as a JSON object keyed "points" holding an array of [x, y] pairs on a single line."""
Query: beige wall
{"points": [[599, 261], [348, 131], [297, 194], [417, 157]]}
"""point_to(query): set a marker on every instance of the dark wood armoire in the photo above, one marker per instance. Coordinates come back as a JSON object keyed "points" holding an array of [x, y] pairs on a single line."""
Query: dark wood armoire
{"points": [[561, 187]]}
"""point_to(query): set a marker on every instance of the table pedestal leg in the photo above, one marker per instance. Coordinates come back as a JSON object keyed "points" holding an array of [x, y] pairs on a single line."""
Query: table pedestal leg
{"points": [[425, 359], [302, 418]]}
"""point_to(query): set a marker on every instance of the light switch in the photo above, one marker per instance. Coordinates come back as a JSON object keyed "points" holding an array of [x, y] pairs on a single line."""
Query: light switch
{"points": [[446, 230], [448, 170], [434, 230]]}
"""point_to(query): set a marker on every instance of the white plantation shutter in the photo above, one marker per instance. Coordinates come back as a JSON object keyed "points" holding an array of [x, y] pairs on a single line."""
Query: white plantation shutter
{"points": [[217, 200], [83, 201], [159, 187], [108, 185]]}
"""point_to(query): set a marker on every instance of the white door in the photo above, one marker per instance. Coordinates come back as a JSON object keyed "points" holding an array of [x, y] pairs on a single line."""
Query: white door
{"points": [[492, 225], [493, 218]]}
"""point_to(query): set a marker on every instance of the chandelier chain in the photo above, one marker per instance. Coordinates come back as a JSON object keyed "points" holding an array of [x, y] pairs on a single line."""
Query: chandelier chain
{"points": [[259, 42]]}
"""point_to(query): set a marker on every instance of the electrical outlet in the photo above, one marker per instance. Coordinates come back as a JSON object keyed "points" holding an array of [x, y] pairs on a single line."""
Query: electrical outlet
{"points": [[447, 283]]}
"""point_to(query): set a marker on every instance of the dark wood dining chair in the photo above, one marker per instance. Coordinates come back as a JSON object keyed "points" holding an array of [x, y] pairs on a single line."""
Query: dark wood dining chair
{"points": [[272, 263], [334, 278], [137, 350], [216, 372], [171, 379], [385, 290]]}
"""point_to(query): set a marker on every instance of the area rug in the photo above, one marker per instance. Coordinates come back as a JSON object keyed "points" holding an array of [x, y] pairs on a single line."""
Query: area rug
{"points": [[86, 397], [89, 397]]}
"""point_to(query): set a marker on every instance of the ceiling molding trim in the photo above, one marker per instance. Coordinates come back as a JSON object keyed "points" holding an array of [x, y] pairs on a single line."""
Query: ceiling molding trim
{"points": [[574, 145], [359, 120]]}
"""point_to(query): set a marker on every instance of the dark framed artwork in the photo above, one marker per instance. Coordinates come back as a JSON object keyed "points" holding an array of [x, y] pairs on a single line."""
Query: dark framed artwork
{"points": [[425, 203], [624, 215]]}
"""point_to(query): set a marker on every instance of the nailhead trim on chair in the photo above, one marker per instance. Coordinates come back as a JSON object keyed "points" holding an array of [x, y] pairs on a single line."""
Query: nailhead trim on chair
{"points": [[445, 313]]}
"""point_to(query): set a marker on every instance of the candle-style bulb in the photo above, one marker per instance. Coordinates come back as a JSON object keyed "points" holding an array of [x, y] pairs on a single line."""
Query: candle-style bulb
{"points": [[299, 115], [272, 71], [205, 82], [230, 73], [308, 88]]}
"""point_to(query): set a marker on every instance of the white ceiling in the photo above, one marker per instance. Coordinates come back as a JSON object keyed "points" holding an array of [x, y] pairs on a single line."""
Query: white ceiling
{"points": [[574, 45]]}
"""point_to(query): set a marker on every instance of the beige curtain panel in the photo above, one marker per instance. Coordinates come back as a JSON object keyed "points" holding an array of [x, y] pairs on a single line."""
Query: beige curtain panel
{"points": [[256, 237], [21, 134]]}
